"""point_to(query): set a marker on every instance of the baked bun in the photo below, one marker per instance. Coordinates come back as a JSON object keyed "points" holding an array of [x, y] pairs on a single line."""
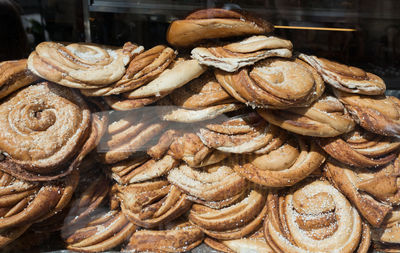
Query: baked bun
{"points": [[13, 76], [377, 114], [346, 78], [213, 24], [274, 83], [327, 117], [232, 57], [298, 222], [80, 65]]}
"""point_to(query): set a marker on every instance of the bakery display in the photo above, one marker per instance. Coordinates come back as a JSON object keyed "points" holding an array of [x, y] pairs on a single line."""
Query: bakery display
{"points": [[226, 138]]}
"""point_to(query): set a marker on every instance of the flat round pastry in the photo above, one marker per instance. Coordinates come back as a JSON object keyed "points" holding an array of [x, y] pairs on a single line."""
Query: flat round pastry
{"points": [[326, 117], [314, 217], [361, 149], [377, 114], [214, 23], [201, 99], [152, 203], [372, 192], [284, 164], [214, 186], [346, 78], [178, 236], [143, 68], [43, 126], [105, 231], [13, 76], [175, 76], [232, 57], [274, 83], [233, 222], [81, 65]]}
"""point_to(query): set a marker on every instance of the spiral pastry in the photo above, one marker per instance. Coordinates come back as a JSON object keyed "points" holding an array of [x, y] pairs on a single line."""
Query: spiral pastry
{"points": [[13, 76], [233, 222], [143, 68], [314, 217], [232, 57], [284, 165], [150, 204], [178, 236], [214, 186], [43, 126], [377, 114], [387, 237], [104, 232], [199, 100], [274, 83], [371, 191], [346, 78], [80, 65], [361, 148], [162, 146], [326, 117]]}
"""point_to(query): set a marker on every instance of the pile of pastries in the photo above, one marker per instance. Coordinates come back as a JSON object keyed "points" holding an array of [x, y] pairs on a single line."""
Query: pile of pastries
{"points": [[226, 137]]}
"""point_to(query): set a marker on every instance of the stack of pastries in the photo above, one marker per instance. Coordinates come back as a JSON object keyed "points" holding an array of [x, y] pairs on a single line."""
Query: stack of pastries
{"points": [[239, 143]]}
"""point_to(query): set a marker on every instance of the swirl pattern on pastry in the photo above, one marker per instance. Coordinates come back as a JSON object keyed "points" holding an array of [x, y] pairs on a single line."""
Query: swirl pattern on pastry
{"points": [[346, 78], [152, 203], [80, 65], [377, 114], [371, 191], [284, 164], [214, 186], [326, 117], [143, 68], [232, 57], [43, 126], [361, 148], [274, 83], [13, 76], [178, 236], [314, 217], [232, 222]]}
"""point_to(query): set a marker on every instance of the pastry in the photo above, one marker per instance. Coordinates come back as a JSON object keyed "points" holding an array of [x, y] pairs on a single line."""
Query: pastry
{"points": [[346, 78], [326, 117], [8, 236], [214, 186], [298, 222], [178, 236], [377, 114], [214, 23], [361, 148], [176, 75], [232, 57], [152, 203], [386, 238], [284, 164], [274, 83], [160, 149], [81, 65], [233, 222], [13, 76], [143, 68]]}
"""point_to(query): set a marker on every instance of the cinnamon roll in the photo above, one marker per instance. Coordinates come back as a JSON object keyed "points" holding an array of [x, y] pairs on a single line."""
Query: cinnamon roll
{"points": [[361, 148], [274, 83], [232, 57], [143, 68], [377, 114], [326, 117], [314, 217], [166, 139], [152, 203], [346, 78], [283, 164], [81, 65], [214, 23], [233, 222], [13, 76]]}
